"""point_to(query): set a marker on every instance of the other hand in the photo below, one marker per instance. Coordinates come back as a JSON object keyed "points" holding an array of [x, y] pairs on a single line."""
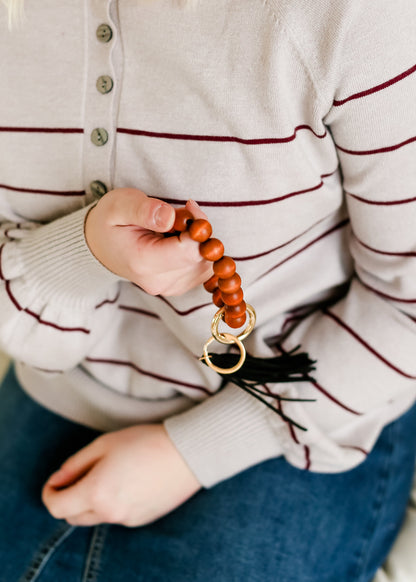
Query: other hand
{"points": [[129, 477]]}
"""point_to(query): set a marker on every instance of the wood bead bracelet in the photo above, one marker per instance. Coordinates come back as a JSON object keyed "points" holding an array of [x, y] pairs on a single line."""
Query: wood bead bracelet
{"points": [[225, 286]]}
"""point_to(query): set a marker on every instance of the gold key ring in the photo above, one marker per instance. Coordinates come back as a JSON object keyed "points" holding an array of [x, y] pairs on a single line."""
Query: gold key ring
{"points": [[228, 339], [222, 337], [231, 339]]}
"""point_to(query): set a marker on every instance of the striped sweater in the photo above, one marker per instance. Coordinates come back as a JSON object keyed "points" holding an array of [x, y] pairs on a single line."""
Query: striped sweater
{"points": [[293, 124]]}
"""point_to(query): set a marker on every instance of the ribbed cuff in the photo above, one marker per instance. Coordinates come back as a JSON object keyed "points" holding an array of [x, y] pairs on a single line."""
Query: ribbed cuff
{"points": [[225, 434], [57, 261]]}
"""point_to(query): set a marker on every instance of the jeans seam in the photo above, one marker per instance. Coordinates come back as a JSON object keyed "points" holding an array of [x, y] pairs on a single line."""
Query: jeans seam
{"points": [[377, 510], [45, 553], [92, 566]]}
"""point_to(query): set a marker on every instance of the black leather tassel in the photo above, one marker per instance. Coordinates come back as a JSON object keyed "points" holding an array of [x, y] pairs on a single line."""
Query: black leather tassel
{"points": [[256, 373]]}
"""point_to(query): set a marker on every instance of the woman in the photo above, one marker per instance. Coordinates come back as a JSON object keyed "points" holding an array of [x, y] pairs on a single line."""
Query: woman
{"points": [[292, 127]]}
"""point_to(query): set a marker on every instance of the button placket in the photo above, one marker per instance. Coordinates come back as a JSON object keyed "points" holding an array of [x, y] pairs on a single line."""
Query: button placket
{"points": [[100, 97]]}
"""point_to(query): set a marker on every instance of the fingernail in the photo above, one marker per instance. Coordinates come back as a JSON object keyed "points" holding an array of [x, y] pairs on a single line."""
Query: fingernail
{"points": [[163, 215]]}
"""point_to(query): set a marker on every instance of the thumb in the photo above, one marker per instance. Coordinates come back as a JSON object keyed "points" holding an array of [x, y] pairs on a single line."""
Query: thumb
{"points": [[154, 214], [133, 207]]}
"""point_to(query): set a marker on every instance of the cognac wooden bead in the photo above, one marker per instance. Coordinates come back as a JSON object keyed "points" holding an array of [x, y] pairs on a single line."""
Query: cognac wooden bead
{"points": [[200, 230], [231, 284], [233, 311], [211, 284], [182, 219], [233, 298], [224, 267], [212, 250], [217, 299], [225, 283], [235, 322]]}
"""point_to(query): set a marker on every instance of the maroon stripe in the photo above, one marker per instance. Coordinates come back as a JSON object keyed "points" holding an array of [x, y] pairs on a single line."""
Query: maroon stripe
{"points": [[323, 391], [264, 253], [1, 270], [384, 150], [389, 254], [295, 439], [108, 301], [139, 311], [389, 83], [307, 458], [147, 373], [334, 400], [186, 312], [390, 297], [317, 239], [38, 191], [290, 319], [41, 129], [220, 138], [366, 345], [38, 317], [289, 424], [245, 203], [382, 202], [364, 452]]}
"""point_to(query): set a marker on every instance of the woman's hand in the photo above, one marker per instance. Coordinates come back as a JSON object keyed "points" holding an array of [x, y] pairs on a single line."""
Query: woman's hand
{"points": [[124, 232], [130, 477]]}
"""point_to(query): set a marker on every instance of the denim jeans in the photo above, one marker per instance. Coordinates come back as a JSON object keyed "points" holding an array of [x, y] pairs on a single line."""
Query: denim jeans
{"points": [[270, 523]]}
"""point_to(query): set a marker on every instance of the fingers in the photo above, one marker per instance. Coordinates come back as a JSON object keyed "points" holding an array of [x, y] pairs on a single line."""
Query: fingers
{"points": [[77, 465], [195, 209], [64, 492], [200, 273]]}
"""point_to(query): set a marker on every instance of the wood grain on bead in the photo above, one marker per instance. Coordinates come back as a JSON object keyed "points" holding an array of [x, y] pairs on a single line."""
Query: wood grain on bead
{"points": [[212, 250]]}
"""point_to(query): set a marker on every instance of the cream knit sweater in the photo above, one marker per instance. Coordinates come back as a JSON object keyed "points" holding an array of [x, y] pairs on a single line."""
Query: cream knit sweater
{"points": [[293, 124]]}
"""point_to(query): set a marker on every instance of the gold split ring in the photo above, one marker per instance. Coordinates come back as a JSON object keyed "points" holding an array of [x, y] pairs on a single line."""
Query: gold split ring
{"points": [[231, 339], [222, 337]]}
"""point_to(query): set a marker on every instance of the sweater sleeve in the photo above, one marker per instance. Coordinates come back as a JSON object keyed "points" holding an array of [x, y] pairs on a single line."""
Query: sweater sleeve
{"points": [[364, 344], [51, 290]]}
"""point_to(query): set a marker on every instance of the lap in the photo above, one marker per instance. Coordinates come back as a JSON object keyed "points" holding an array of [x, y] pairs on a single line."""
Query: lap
{"points": [[271, 522]]}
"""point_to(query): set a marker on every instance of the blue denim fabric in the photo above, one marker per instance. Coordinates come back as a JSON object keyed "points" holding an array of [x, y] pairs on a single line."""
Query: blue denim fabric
{"points": [[270, 523]]}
